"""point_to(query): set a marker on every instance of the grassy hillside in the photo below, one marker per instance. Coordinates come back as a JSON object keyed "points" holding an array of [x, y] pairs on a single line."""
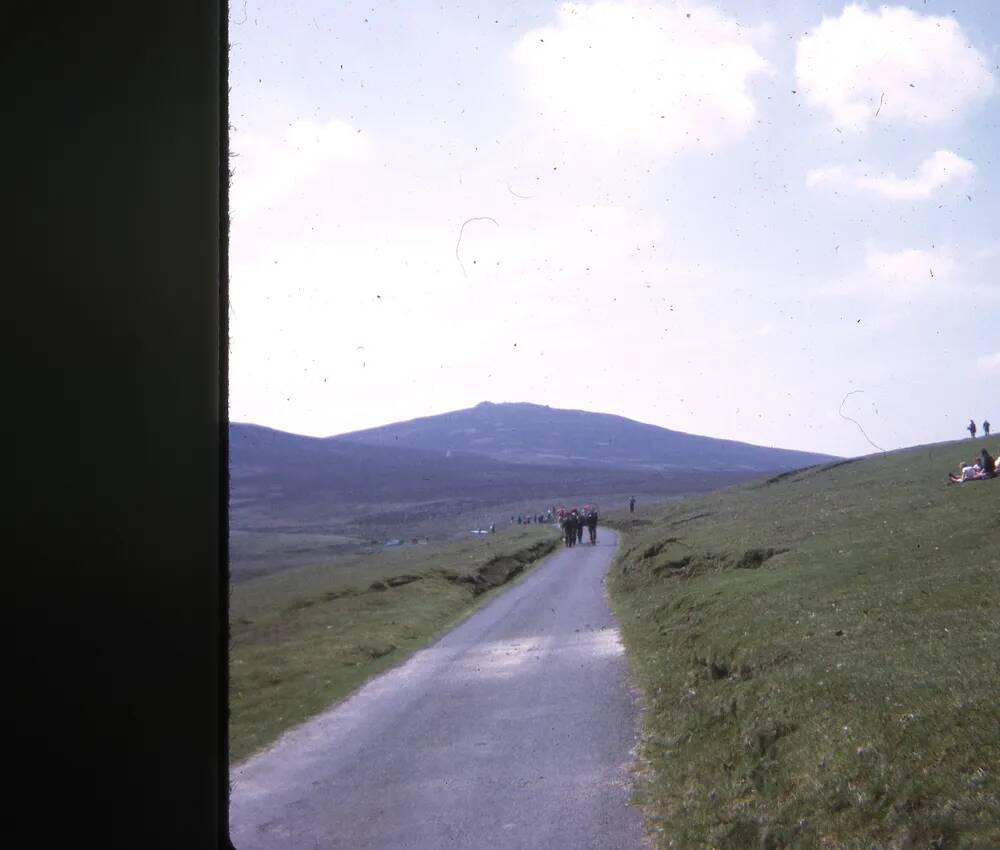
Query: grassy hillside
{"points": [[818, 654], [304, 638]]}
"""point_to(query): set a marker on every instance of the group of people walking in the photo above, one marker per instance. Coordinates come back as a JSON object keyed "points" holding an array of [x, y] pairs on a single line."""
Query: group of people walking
{"points": [[971, 428], [574, 520], [527, 519]]}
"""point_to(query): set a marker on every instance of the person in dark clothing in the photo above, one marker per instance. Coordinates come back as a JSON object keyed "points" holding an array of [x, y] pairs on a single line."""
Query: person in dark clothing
{"points": [[592, 526], [579, 528], [631, 505], [986, 427], [988, 463], [971, 428], [569, 528]]}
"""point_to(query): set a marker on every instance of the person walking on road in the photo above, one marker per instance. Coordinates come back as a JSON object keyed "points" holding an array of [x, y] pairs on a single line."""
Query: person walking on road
{"points": [[569, 528], [971, 428], [592, 526]]}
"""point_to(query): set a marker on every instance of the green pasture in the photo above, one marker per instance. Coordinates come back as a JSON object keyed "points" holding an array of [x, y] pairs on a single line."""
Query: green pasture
{"points": [[818, 657]]}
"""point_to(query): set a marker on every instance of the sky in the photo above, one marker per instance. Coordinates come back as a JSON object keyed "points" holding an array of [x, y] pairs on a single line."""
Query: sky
{"points": [[774, 222]]}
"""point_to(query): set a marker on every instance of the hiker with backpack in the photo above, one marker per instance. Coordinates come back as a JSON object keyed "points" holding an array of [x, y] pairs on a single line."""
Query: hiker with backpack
{"points": [[971, 428]]}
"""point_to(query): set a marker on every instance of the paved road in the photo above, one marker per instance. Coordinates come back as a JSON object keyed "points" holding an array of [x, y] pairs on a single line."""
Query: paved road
{"points": [[514, 730]]}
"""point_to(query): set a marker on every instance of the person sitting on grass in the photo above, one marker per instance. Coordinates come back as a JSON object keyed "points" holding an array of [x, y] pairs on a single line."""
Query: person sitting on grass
{"points": [[970, 472], [984, 467], [988, 463]]}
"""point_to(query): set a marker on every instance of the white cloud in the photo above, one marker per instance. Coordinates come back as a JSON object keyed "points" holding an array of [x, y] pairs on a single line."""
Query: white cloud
{"points": [[658, 76], [334, 288], [938, 171], [894, 62], [914, 269], [990, 363], [938, 274], [266, 170], [934, 173], [941, 275], [833, 175]]}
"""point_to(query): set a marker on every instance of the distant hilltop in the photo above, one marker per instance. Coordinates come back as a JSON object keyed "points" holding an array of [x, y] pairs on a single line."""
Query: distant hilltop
{"points": [[525, 433]]}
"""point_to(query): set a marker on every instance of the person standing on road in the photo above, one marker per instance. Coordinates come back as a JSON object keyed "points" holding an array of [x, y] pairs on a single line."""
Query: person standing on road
{"points": [[986, 427], [971, 428], [631, 505]]}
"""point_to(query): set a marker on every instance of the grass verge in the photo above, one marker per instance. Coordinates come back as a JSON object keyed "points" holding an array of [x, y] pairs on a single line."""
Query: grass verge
{"points": [[305, 638], [817, 654]]}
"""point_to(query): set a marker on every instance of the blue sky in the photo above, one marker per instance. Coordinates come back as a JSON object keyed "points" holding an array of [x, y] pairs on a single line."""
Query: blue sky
{"points": [[744, 220]]}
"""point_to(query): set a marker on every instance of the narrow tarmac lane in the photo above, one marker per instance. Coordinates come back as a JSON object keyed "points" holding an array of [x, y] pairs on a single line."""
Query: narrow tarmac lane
{"points": [[514, 730]]}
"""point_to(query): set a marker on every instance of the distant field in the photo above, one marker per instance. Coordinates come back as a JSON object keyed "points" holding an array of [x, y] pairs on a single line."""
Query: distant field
{"points": [[818, 654], [304, 638], [262, 543], [256, 553]]}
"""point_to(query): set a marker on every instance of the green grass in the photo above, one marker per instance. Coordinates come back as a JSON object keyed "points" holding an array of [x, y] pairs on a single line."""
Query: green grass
{"points": [[304, 638], [818, 657]]}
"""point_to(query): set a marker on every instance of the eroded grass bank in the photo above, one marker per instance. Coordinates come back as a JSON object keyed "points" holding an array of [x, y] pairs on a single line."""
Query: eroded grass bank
{"points": [[819, 658], [305, 638]]}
